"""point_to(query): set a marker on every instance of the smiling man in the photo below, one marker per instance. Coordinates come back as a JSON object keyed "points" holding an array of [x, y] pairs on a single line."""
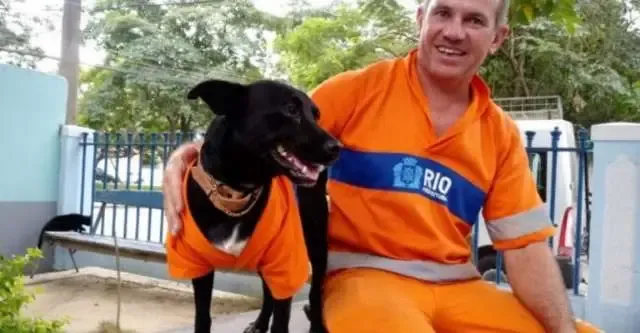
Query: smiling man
{"points": [[425, 149]]}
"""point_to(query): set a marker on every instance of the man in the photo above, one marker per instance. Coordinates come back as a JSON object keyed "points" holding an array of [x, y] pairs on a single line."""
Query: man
{"points": [[425, 149]]}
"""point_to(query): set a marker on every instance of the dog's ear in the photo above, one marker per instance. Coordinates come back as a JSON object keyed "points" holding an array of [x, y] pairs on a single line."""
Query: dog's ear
{"points": [[221, 96]]}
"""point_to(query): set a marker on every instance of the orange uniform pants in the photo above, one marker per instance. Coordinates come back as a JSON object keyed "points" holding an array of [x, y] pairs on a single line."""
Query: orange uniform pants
{"points": [[371, 301]]}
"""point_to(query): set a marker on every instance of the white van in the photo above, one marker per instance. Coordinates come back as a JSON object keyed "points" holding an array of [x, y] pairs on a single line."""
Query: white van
{"points": [[566, 193]]}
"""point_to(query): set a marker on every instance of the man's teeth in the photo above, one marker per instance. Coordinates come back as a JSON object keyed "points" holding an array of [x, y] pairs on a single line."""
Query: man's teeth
{"points": [[449, 51]]}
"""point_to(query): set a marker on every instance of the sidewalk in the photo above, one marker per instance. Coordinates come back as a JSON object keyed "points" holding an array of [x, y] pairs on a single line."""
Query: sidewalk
{"points": [[236, 323]]}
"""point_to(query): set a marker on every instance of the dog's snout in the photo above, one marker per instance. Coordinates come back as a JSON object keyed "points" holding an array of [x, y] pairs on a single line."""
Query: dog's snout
{"points": [[332, 147]]}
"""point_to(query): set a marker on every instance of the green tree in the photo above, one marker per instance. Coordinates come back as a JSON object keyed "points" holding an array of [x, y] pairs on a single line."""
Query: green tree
{"points": [[586, 51], [355, 34], [155, 53], [16, 34], [593, 68]]}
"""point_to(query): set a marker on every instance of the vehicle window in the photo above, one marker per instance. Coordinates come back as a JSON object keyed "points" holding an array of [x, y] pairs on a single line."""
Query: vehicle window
{"points": [[538, 166]]}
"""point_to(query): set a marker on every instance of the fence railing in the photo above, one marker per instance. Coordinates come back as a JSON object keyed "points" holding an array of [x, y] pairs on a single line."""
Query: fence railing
{"points": [[128, 162], [135, 162], [550, 165]]}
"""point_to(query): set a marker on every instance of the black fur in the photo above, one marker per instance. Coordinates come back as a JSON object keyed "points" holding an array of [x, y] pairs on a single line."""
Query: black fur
{"points": [[314, 213], [240, 150], [66, 222]]}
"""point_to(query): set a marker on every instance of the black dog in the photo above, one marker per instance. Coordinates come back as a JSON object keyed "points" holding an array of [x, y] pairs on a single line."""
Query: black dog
{"points": [[66, 222], [262, 130]]}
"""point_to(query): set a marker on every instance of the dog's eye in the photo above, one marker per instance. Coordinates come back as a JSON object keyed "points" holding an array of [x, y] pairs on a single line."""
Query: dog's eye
{"points": [[291, 109]]}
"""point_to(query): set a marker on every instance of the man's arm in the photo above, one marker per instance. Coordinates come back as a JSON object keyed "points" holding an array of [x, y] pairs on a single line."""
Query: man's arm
{"points": [[172, 182], [536, 280], [518, 224]]}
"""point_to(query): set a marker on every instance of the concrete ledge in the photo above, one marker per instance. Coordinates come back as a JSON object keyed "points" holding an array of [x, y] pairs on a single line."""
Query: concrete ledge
{"points": [[621, 131]]}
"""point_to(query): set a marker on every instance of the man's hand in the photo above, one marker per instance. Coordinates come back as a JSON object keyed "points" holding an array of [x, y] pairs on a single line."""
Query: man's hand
{"points": [[535, 279], [172, 182]]}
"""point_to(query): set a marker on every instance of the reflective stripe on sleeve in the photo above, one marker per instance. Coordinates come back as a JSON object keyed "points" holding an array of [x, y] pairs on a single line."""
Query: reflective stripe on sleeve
{"points": [[420, 269], [518, 225]]}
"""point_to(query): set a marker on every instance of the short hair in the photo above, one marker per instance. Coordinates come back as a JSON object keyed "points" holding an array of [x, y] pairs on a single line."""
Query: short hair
{"points": [[502, 16]]}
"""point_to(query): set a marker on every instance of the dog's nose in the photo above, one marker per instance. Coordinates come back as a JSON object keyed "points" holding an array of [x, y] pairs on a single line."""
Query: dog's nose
{"points": [[332, 147]]}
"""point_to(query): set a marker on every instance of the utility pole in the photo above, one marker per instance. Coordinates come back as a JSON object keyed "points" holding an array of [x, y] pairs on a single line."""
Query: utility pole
{"points": [[69, 66]]}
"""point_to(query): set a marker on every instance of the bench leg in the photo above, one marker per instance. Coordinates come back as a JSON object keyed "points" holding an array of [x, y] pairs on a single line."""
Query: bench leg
{"points": [[73, 259]]}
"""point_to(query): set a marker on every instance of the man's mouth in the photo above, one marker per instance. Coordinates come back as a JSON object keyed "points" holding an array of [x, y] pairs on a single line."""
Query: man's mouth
{"points": [[304, 171], [450, 52]]}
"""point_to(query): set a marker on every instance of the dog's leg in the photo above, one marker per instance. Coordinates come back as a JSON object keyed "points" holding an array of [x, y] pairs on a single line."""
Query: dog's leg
{"points": [[318, 257], [202, 294], [281, 316], [314, 213], [261, 324]]}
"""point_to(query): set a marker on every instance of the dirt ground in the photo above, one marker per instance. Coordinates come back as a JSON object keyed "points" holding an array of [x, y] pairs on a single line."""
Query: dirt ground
{"points": [[146, 307]]}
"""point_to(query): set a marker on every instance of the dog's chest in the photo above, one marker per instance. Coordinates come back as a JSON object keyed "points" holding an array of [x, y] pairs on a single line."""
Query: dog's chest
{"points": [[233, 244]]}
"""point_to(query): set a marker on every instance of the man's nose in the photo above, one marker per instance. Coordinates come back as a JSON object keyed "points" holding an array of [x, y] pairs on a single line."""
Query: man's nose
{"points": [[453, 30]]}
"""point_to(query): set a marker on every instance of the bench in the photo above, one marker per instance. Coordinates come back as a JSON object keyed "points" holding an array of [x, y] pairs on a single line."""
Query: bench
{"points": [[128, 248]]}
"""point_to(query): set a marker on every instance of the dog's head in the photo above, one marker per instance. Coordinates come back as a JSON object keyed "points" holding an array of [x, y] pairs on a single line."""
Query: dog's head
{"points": [[276, 123]]}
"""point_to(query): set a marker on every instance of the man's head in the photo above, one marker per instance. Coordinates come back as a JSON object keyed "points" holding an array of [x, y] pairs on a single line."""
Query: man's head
{"points": [[456, 36]]}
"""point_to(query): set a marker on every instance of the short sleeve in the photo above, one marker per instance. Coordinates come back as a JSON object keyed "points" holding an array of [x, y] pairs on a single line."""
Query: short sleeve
{"points": [[514, 213], [336, 99]]}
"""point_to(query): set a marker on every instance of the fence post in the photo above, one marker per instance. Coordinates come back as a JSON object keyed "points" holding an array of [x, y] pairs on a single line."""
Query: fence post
{"points": [[72, 155], [614, 253]]}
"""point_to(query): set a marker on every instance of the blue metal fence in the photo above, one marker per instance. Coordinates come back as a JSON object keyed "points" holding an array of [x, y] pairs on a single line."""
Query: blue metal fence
{"points": [[579, 181], [139, 190]]}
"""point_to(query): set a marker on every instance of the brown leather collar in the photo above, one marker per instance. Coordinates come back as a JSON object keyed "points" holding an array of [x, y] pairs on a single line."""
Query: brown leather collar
{"points": [[226, 199]]}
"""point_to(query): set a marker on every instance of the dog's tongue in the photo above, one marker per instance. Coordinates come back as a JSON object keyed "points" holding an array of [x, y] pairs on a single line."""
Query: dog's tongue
{"points": [[310, 172]]}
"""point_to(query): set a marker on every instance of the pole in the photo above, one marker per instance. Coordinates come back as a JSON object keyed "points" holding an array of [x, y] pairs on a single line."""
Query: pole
{"points": [[69, 66]]}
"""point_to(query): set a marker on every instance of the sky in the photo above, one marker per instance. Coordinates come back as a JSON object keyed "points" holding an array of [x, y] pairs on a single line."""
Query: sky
{"points": [[50, 41]]}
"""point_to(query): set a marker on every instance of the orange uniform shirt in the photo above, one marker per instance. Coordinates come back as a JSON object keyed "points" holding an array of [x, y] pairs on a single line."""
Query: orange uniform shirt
{"points": [[400, 192], [276, 248]]}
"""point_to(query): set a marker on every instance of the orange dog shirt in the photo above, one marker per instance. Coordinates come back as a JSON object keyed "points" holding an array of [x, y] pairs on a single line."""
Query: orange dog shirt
{"points": [[276, 248]]}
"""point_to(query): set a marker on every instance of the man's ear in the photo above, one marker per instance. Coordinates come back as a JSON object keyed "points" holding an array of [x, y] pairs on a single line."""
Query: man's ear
{"points": [[221, 96], [420, 17], [502, 33]]}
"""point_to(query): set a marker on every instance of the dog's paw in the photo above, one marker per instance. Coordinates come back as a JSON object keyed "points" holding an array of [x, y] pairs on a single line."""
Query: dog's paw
{"points": [[252, 328]]}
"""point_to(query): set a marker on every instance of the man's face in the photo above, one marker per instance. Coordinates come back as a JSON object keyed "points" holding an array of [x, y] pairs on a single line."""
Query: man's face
{"points": [[457, 35]]}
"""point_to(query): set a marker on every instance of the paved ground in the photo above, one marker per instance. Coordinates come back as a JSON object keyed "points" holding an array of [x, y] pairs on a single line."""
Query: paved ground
{"points": [[148, 305], [236, 323]]}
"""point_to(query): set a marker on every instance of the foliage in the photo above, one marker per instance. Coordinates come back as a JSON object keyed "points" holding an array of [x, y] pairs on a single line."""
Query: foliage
{"points": [[13, 297], [353, 36], [593, 69], [16, 33], [586, 51], [156, 53]]}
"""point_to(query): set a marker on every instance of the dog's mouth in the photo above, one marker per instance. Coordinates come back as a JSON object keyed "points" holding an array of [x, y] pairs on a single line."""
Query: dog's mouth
{"points": [[302, 172]]}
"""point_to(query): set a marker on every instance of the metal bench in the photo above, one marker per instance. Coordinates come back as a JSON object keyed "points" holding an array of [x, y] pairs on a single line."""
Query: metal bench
{"points": [[128, 248], [93, 242]]}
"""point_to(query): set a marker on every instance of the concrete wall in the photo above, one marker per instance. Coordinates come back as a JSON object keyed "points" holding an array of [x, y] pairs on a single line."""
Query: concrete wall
{"points": [[613, 302], [32, 108]]}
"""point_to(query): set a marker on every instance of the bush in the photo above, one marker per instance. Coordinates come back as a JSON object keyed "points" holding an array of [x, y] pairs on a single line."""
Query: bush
{"points": [[13, 297]]}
